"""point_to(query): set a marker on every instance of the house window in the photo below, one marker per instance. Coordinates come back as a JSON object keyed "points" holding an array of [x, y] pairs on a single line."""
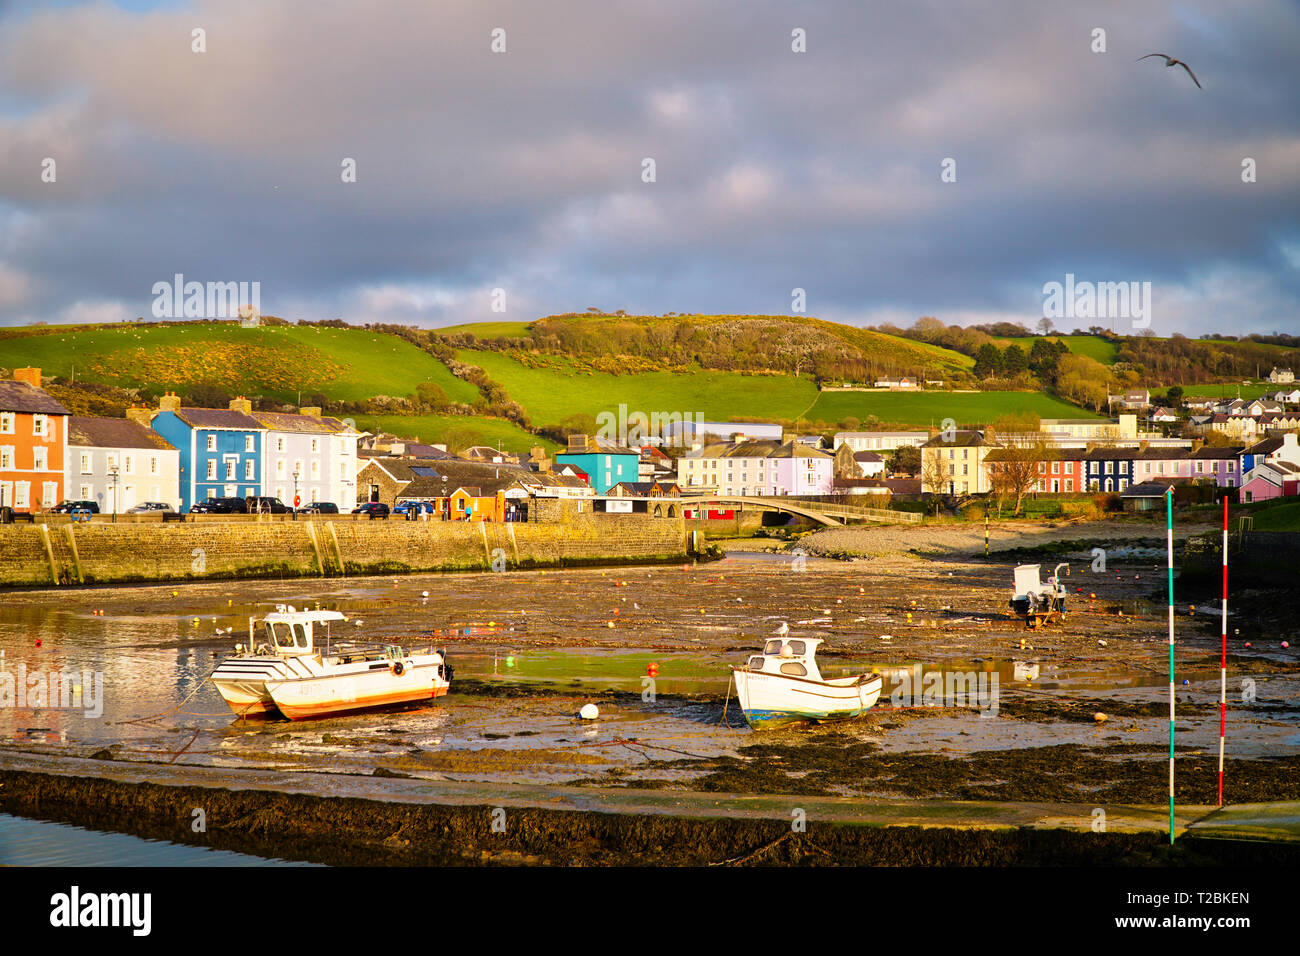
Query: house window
{"points": [[212, 443], [129, 461], [40, 459], [50, 493], [248, 443], [279, 444], [21, 489], [86, 492], [7, 456], [230, 470], [1069, 484], [212, 469], [248, 469], [315, 445], [7, 423], [153, 468], [315, 470], [38, 425], [279, 468], [1110, 467]]}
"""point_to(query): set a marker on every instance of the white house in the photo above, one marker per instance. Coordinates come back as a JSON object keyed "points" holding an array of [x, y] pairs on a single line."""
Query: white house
{"points": [[757, 468], [1281, 376], [310, 457], [880, 441], [119, 463], [1287, 397]]}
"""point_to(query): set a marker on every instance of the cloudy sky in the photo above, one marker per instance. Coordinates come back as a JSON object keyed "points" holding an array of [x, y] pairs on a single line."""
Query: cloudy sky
{"points": [[774, 169]]}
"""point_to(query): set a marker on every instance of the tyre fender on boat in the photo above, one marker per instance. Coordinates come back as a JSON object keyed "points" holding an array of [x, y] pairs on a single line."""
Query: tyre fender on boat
{"points": [[398, 669]]}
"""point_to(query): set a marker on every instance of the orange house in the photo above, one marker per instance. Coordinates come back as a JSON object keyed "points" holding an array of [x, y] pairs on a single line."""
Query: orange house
{"points": [[476, 504], [33, 444]]}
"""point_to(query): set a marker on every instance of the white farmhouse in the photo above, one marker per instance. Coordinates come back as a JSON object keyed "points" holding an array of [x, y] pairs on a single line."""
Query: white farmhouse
{"points": [[118, 463], [309, 456]]}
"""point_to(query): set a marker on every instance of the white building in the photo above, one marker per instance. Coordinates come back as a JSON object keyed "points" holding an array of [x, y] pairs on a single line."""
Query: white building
{"points": [[880, 441], [118, 463], [687, 431], [314, 457], [757, 468], [1281, 376]]}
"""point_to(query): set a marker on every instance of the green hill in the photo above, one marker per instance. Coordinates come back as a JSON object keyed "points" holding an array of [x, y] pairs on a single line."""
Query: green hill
{"points": [[280, 361], [559, 388], [931, 408]]}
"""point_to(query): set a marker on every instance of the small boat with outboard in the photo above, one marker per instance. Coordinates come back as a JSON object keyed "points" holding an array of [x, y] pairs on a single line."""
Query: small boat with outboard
{"points": [[299, 669], [783, 684]]}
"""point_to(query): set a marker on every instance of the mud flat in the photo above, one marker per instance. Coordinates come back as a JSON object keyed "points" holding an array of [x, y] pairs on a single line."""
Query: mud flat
{"points": [[1079, 722]]}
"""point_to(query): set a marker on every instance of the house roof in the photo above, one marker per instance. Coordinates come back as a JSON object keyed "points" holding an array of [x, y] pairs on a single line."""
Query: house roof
{"points": [[96, 432], [1265, 446], [958, 438], [759, 449], [294, 422], [21, 397], [218, 418], [1216, 452], [867, 456]]}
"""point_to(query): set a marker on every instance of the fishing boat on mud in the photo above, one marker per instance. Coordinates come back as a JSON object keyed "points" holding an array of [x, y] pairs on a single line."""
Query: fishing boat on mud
{"points": [[299, 670], [783, 685]]}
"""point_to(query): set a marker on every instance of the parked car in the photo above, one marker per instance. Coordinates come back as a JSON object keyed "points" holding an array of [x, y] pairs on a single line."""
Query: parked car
{"points": [[372, 509], [266, 505], [219, 506], [70, 506], [149, 507], [319, 508], [412, 509]]}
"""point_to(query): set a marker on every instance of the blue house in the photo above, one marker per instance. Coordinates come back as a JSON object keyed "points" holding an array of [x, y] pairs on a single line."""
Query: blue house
{"points": [[1109, 469], [605, 463], [220, 449]]}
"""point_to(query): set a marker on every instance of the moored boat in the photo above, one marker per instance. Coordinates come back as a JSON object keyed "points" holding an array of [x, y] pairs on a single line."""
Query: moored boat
{"points": [[300, 671], [783, 684]]}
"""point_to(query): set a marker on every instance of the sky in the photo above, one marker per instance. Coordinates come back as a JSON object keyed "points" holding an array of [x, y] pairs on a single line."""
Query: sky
{"points": [[774, 170]]}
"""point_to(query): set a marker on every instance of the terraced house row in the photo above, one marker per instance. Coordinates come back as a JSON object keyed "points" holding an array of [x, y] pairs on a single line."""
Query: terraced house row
{"points": [[172, 454]]}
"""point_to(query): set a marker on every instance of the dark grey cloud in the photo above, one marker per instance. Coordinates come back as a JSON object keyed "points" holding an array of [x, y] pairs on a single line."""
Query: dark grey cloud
{"points": [[774, 169]]}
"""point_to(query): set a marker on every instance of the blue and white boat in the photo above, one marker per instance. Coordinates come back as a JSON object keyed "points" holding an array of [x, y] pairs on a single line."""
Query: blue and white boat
{"points": [[783, 685]]}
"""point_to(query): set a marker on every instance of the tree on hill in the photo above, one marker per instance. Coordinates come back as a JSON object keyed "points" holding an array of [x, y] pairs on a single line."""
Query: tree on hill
{"points": [[1174, 396], [204, 395], [1013, 361], [988, 361]]}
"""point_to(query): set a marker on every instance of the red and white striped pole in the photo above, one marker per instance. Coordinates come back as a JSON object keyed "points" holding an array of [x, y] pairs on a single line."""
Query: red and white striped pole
{"points": [[1223, 654]]}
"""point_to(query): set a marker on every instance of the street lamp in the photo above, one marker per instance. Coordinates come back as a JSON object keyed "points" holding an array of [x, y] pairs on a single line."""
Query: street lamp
{"points": [[295, 493], [112, 473]]}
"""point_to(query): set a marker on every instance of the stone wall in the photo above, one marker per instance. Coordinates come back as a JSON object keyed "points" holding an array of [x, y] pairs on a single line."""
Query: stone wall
{"points": [[38, 555]]}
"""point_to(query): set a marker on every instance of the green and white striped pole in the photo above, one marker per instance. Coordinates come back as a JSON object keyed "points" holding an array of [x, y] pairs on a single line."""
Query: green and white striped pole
{"points": [[1169, 516]]}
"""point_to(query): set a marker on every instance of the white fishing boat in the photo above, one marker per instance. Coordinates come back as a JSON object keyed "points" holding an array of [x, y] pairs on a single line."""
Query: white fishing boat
{"points": [[299, 670], [783, 684]]}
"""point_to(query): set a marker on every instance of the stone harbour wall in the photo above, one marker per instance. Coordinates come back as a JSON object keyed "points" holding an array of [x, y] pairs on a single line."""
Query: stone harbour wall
{"points": [[39, 555]]}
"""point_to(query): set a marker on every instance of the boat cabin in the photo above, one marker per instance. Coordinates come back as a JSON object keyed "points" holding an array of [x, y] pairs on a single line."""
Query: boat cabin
{"points": [[293, 633], [791, 656]]}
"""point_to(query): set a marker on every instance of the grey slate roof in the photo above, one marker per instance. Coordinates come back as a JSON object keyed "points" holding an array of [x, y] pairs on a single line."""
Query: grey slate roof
{"points": [[21, 397]]}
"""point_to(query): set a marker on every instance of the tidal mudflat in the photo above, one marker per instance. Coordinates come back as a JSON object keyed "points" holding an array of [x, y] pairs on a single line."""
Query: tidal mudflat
{"points": [[1074, 714]]}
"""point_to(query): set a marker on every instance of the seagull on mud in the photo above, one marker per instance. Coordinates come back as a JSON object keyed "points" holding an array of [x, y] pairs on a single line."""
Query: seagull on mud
{"points": [[783, 630], [1171, 61]]}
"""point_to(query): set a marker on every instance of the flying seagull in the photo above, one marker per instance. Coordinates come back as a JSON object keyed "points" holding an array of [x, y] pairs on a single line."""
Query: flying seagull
{"points": [[1170, 61]]}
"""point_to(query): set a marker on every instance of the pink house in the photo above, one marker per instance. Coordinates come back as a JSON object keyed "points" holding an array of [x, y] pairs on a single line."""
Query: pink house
{"points": [[1270, 479]]}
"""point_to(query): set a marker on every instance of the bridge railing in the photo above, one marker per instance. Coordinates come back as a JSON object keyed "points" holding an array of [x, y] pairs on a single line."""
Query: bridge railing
{"points": [[830, 508]]}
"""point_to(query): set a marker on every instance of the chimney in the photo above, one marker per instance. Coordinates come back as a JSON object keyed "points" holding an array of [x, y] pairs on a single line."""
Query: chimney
{"points": [[311, 411], [170, 402], [241, 404], [32, 376], [143, 416]]}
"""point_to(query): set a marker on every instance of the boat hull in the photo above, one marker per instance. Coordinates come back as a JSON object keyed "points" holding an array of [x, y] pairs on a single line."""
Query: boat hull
{"points": [[772, 700], [327, 696]]}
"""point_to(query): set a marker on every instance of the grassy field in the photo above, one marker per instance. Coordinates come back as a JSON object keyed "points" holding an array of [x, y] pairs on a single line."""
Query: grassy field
{"points": [[1279, 518], [344, 364], [550, 398], [927, 408], [1092, 346], [456, 431], [488, 330]]}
